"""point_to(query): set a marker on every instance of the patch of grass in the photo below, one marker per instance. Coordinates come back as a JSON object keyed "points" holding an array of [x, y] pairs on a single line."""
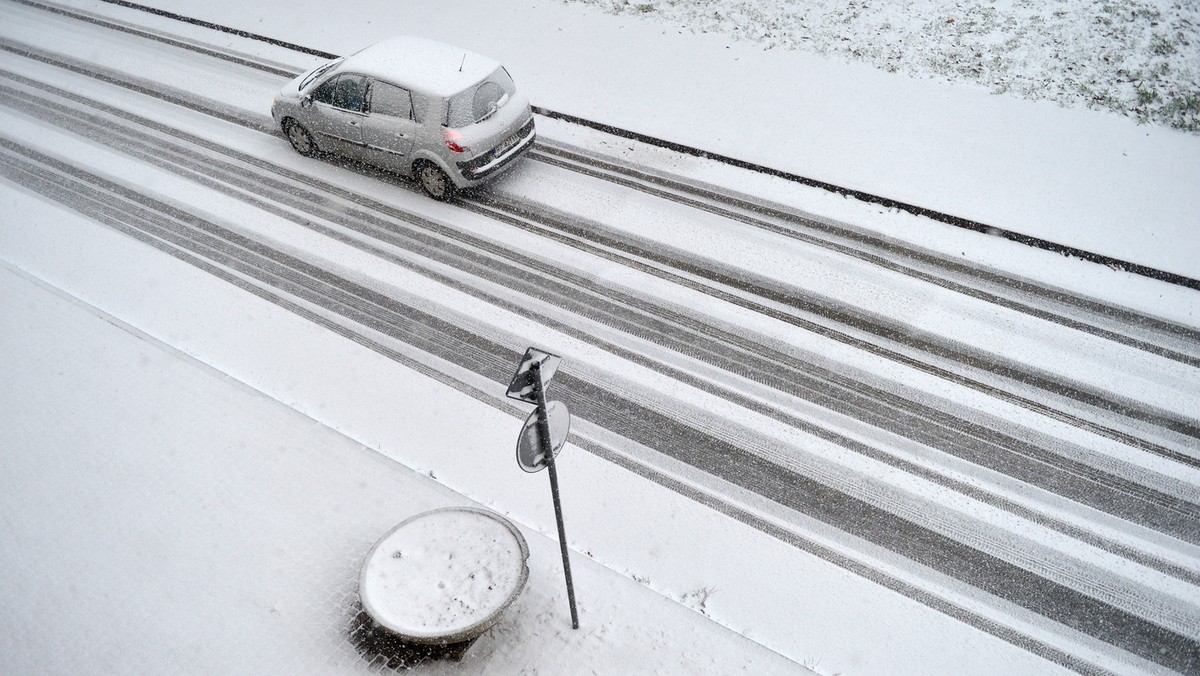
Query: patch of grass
{"points": [[1162, 46], [1183, 112]]}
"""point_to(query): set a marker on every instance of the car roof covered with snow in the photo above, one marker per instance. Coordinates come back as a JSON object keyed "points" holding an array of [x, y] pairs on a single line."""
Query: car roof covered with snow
{"points": [[424, 65]]}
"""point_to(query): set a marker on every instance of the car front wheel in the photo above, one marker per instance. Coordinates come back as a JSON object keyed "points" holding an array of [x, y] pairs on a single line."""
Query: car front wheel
{"points": [[299, 137], [434, 181]]}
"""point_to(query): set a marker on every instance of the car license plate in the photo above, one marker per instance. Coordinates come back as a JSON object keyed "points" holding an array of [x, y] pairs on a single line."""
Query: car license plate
{"points": [[506, 144]]}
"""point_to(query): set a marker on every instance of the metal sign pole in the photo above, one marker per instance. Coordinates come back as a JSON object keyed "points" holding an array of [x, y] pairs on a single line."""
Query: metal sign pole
{"points": [[548, 453]]}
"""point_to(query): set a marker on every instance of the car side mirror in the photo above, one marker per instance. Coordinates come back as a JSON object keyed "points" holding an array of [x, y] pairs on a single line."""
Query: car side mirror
{"points": [[305, 101]]}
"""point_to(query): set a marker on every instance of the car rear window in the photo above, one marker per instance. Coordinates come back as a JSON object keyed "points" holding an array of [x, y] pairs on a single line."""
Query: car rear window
{"points": [[478, 102]]}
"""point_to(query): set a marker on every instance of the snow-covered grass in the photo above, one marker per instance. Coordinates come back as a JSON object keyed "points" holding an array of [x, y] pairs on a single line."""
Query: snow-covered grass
{"points": [[1140, 58]]}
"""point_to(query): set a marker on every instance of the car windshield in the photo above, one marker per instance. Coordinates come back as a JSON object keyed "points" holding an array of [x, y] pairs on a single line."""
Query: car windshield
{"points": [[318, 72], [477, 102]]}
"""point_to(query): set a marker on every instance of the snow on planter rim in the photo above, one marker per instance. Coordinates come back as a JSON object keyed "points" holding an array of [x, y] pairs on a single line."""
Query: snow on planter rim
{"points": [[445, 575]]}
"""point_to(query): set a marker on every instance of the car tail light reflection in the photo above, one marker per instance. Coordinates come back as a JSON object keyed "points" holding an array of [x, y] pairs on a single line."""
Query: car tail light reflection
{"points": [[453, 139]]}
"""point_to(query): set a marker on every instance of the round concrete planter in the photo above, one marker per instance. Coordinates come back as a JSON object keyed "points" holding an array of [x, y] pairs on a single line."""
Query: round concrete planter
{"points": [[444, 576]]}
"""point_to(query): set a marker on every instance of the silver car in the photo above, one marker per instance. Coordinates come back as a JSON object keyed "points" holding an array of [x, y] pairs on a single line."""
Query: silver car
{"points": [[449, 118]]}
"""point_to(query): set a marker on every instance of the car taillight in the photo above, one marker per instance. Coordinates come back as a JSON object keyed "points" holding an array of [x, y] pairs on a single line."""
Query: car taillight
{"points": [[453, 139]]}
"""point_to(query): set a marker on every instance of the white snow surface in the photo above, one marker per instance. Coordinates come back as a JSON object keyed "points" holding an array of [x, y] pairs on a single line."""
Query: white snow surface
{"points": [[161, 517], [171, 442]]}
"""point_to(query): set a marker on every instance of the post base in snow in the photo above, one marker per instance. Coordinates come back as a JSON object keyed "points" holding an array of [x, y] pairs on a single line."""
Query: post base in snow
{"points": [[378, 644]]}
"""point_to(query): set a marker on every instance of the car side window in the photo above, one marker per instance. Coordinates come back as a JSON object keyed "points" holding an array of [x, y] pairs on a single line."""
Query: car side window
{"points": [[388, 99], [348, 92], [324, 93]]}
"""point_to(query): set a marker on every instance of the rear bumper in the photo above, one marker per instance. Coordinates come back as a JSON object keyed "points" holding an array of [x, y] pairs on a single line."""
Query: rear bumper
{"points": [[487, 164]]}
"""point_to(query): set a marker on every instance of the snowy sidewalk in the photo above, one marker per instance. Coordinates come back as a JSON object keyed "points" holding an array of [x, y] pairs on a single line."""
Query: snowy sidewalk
{"points": [[177, 521]]}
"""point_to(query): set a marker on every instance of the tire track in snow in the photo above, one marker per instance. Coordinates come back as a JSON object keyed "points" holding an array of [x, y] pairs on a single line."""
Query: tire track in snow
{"points": [[1107, 489], [504, 366], [171, 226], [922, 346], [1121, 325]]}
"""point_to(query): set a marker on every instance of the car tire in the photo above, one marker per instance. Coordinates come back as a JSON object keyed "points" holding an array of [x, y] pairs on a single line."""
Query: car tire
{"points": [[434, 181], [299, 137]]}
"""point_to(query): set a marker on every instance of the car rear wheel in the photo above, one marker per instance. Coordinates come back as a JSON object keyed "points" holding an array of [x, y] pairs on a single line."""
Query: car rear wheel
{"points": [[434, 181], [299, 137]]}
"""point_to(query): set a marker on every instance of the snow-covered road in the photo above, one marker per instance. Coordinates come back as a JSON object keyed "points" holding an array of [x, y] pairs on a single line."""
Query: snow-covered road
{"points": [[1019, 456]]}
